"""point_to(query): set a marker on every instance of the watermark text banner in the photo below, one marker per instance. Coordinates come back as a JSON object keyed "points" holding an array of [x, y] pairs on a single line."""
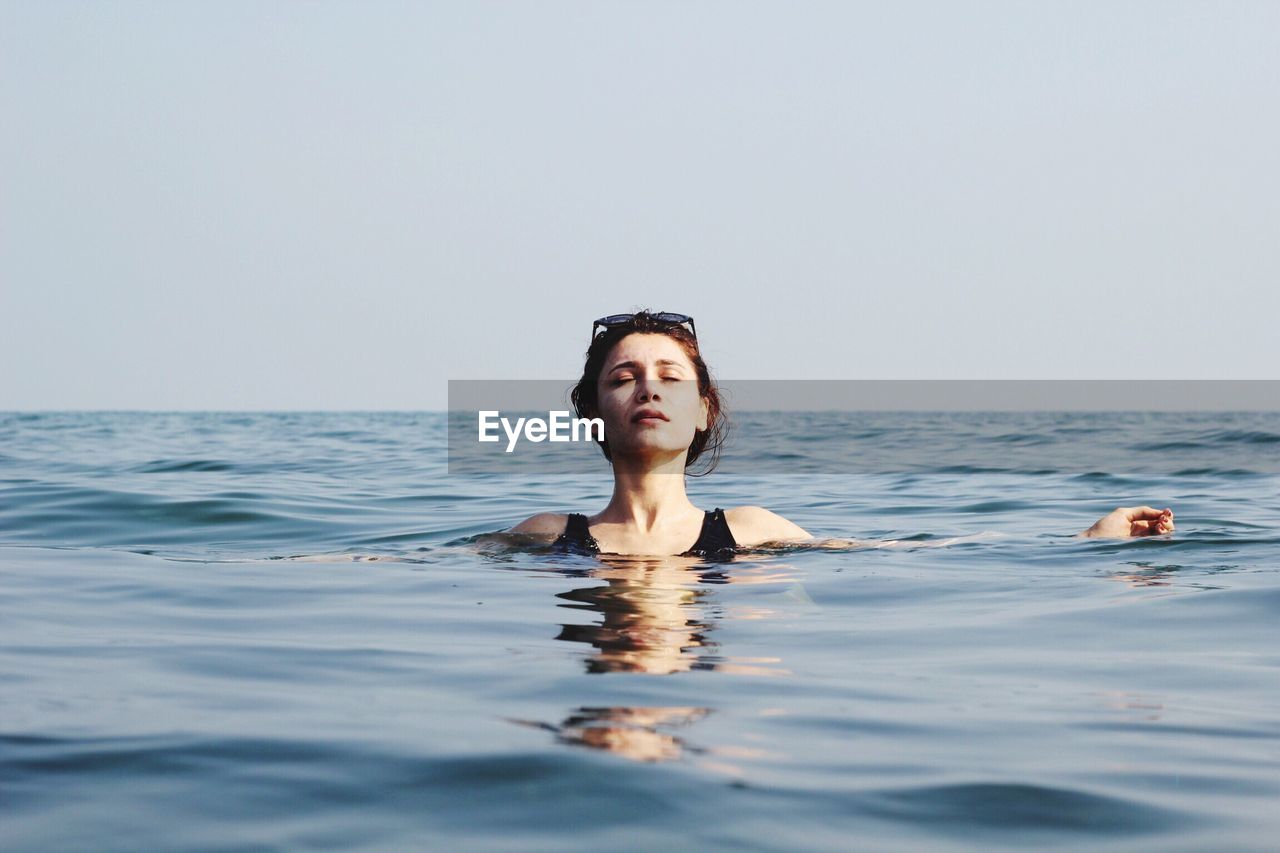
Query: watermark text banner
{"points": [[869, 426]]}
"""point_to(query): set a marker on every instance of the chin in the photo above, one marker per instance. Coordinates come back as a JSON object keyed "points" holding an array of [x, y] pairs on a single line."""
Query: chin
{"points": [[649, 446]]}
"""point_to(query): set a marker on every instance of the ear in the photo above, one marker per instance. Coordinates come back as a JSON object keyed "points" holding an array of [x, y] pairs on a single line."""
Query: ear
{"points": [[704, 416]]}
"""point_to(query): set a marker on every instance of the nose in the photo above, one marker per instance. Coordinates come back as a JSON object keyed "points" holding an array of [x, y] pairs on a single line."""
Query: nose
{"points": [[647, 388]]}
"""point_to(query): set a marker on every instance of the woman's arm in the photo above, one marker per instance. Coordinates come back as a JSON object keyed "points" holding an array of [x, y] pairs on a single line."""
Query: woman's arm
{"points": [[1124, 522], [752, 525], [542, 524]]}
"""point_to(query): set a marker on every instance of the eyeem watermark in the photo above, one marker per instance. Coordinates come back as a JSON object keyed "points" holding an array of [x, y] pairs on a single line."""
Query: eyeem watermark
{"points": [[558, 427], [798, 427]]}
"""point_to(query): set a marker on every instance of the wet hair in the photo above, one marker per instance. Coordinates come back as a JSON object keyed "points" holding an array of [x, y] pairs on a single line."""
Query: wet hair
{"points": [[586, 401]]}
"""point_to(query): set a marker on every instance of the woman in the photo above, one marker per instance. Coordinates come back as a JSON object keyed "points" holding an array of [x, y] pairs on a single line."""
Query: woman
{"points": [[645, 377]]}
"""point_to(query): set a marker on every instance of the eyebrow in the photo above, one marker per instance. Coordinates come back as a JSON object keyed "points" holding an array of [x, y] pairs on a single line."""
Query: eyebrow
{"points": [[664, 362]]}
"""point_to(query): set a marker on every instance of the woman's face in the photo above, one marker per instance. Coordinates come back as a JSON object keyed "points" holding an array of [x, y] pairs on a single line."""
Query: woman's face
{"points": [[649, 374]]}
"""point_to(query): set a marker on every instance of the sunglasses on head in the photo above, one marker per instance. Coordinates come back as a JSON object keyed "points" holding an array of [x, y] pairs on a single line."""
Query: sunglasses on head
{"points": [[662, 317]]}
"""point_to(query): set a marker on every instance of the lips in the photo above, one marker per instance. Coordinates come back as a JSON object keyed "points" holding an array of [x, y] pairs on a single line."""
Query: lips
{"points": [[648, 413]]}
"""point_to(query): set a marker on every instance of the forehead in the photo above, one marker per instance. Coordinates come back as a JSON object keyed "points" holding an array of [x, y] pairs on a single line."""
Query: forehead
{"points": [[647, 348]]}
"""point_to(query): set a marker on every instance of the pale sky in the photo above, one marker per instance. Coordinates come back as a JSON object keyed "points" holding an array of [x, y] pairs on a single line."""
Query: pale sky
{"points": [[343, 205]]}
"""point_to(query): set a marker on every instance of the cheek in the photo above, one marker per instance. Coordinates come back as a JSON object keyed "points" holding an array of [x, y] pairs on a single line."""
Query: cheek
{"points": [[691, 405], [685, 420], [612, 404]]}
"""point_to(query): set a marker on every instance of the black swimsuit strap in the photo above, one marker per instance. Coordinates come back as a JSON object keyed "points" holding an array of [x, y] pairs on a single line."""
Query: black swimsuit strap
{"points": [[716, 538], [577, 535], [577, 526]]}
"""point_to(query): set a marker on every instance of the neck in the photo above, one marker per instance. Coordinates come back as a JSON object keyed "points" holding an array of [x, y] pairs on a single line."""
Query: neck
{"points": [[648, 494]]}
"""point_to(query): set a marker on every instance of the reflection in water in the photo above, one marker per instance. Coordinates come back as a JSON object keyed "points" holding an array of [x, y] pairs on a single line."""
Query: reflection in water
{"points": [[1147, 574], [657, 615], [654, 615], [636, 733], [1145, 706]]}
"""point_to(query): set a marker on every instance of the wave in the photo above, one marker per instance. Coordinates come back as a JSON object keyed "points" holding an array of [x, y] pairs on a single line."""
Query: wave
{"points": [[165, 466], [1017, 806], [367, 784]]}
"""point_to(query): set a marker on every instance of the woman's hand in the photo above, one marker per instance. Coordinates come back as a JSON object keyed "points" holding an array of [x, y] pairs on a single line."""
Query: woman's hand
{"points": [[1131, 521]]}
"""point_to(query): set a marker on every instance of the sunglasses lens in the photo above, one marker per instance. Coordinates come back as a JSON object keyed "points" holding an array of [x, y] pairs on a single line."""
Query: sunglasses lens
{"points": [[661, 317]]}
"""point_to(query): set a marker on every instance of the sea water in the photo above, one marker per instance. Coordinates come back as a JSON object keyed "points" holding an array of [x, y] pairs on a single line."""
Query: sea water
{"points": [[256, 631]]}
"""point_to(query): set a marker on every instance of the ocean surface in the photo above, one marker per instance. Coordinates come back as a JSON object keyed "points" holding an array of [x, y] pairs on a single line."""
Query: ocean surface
{"points": [[264, 631]]}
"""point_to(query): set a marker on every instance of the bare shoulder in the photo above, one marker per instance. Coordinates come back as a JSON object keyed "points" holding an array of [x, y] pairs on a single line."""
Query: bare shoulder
{"points": [[544, 523], [752, 525]]}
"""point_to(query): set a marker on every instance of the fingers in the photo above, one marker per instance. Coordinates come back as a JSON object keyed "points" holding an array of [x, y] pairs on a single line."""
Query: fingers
{"points": [[1145, 521], [1146, 513]]}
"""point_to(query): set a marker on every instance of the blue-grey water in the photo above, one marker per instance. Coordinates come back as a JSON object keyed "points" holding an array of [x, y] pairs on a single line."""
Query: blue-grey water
{"points": [[259, 631]]}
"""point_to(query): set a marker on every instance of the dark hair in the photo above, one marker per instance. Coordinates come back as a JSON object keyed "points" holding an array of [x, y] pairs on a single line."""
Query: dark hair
{"points": [[586, 400]]}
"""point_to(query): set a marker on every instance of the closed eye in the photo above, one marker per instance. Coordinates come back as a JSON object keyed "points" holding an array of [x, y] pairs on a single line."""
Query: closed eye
{"points": [[624, 379]]}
